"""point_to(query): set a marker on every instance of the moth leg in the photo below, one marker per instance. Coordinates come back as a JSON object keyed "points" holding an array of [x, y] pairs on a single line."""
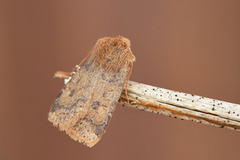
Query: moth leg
{"points": [[129, 73], [61, 74]]}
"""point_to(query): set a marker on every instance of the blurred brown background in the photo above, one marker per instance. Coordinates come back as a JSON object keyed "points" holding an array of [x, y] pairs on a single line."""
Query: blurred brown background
{"points": [[189, 46]]}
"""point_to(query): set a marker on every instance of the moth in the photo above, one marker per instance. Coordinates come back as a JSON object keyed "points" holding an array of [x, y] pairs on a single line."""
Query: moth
{"points": [[86, 104]]}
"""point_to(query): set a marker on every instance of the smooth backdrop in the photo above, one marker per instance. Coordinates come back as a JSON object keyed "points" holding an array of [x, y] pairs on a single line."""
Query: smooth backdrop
{"points": [[184, 45]]}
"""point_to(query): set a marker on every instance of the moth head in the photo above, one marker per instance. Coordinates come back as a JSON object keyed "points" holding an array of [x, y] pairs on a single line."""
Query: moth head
{"points": [[114, 52]]}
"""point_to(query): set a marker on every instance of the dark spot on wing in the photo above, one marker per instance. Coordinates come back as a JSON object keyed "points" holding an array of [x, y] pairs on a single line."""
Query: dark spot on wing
{"points": [[103, 76], [101, 128], [80, 99], [59, 95], [72, 93], [118, 70], [104, 94], [95, 105], [113, 79], [87, 65], [54, 106], [68, 108], [78, 81]]}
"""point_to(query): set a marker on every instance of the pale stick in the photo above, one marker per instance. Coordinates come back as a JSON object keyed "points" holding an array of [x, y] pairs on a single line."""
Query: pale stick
{"points": [[182, 105], [177, 104]]}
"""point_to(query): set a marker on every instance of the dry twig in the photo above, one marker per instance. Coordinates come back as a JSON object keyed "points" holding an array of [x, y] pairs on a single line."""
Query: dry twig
{"points": [[182, 105]]}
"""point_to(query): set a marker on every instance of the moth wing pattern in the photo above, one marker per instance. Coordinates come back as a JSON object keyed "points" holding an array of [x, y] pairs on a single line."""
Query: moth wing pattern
{"points": [[86, 104], [102, 105], [72, 100]]}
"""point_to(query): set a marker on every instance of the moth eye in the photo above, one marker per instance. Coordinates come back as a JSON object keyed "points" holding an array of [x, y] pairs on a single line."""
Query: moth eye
{"points": [[115, 44]]}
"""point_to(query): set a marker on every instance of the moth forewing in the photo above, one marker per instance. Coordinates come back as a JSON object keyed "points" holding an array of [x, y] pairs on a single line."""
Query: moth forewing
{"points": [[85, 105]]}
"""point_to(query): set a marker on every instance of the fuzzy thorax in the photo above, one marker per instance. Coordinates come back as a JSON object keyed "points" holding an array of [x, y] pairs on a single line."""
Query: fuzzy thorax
{"points": [[113, 53]]}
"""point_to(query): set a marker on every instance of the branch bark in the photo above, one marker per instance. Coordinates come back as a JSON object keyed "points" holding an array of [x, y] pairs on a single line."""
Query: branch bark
{"points": [[182, 105]]}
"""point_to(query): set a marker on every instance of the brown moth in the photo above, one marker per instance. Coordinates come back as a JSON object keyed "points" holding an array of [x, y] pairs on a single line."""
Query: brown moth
{"points": [[85, 105]]}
